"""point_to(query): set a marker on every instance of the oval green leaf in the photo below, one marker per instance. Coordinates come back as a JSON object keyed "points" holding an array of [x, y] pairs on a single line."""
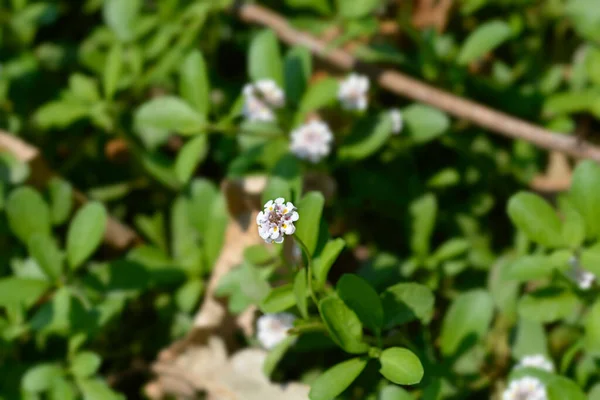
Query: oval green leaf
{"points": [[484, 39], [343, 325], [336, 379], [536, 218], [362, 299], [401, 366], [85, 233], [27, 213]]}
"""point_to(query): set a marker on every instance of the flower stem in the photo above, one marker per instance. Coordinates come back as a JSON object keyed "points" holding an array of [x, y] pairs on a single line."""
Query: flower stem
{"points": [[309, 269]]}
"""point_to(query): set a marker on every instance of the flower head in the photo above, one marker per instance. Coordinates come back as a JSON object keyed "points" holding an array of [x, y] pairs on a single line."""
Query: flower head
{"points": [[311, 141], [353, 92], [273, 328], [397, 120], [260, 99], [277, 220], [583, 278], [536, 361], [526, 388]]}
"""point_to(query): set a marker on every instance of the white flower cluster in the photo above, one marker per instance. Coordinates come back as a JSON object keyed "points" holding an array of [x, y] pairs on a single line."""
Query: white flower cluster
{"points": [[583, 278], [526, 388], [273, 328], [353, 92], [397, 120], [277, 220], [311, 141], [260, 99], [536, 361]]}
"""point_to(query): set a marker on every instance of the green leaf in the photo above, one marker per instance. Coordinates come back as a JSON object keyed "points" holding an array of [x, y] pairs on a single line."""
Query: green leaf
{"points": [[530, 339], [61, 389], [536, 218], [194, 85], [320, 6], [585, 17], [46, 253], [85, 364], [319, 95], [404, 302], [356, 9], [184, 246], [470, 315], [343, 325], [592, 329], [188, 295], [585, 195], [548, 305], [122, 17], [215, 230], [310, 209], [362, 299], [264, 58], [61, 200], [60, 114], [367, 136], [529, 267], [451, 249], [323, 263], [21, 291], [393, 392], [85, 233], [276, 354], [423, 212], [424, 123], [279, 299], [84, 89], [336, 379], [190, 156], [112, 71], [401, 366], [168, 114], [97, 389], [301, 292], [276, 187], [484, 39], [573, 228], [297, 71], [203, 194], [590, 258], [153, 227], [39, 378], [27, 213]]}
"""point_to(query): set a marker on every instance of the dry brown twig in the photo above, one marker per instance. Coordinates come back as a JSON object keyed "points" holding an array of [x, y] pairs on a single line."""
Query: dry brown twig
{"points": [[404, 85]]}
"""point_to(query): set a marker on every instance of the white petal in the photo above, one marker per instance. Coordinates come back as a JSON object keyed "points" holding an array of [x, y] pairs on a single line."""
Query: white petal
{"points": [[279, 239], [268, 203], [295, 216], [279, 200]]}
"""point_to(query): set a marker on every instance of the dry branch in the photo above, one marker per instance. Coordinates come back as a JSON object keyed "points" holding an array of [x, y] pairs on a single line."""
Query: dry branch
{"points": [[404, 85], [118, 237]]}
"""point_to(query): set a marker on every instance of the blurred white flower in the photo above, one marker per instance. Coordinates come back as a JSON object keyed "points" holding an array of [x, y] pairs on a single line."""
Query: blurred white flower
{"points": [[583, 278], [311, 141], [353, 92], [273, 328], [536, 361], [260, 99], [277, 220], [526, 388], [397, 120]]}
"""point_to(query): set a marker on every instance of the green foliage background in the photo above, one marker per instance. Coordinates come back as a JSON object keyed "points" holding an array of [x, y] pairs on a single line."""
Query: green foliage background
{"points": [[138, 104]]}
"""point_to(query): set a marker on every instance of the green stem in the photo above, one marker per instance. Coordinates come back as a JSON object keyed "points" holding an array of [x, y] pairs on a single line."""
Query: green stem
{"points": [[309, 269]]}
